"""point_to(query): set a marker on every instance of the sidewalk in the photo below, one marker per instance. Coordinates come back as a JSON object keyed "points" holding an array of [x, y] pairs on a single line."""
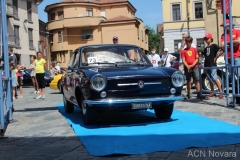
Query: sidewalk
{"points": [[39, 131]]}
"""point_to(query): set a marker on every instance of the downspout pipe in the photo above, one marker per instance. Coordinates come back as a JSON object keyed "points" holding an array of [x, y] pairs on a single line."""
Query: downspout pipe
{"points": [[216, 11], [188, 18]]}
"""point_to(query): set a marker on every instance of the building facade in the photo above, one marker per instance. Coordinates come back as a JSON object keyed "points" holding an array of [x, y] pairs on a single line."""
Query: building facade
{"points": [[196, 17], [72, 24], [43, 43], [183, 16], [23, 34]]}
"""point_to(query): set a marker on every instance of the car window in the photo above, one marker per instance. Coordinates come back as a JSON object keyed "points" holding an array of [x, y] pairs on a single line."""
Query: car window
{"points": [[71, 61], [76, 58], [109, 54]]}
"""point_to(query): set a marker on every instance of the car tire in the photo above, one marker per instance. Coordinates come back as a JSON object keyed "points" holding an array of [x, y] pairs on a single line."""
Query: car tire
{"points": [[164, 112], [206, 83], [88, 114], [68, 106]]}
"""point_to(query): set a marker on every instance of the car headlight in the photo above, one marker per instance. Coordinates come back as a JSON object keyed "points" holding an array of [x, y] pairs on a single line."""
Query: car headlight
{"points": [[178, 79], [98, 82]]}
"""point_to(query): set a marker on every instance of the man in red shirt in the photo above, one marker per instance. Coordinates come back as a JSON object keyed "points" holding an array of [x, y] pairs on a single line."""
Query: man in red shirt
{"points": [[190, 62], [236, 45]]}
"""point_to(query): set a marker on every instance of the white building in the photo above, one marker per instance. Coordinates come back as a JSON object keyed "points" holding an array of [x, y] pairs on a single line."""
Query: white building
{"points": [[23, 26]]}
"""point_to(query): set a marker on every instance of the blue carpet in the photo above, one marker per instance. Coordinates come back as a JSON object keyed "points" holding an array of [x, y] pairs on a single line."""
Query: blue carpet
{"points": [[141, 132]]}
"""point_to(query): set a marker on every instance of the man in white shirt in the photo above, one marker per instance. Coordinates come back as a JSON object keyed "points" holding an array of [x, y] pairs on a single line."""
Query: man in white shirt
{"points": [[167, 58], [154, 58], [182, 45]]}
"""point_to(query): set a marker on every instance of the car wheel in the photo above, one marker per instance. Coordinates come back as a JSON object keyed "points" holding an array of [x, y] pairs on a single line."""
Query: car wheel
{"points": [[68, 106], [206, 83], [88, 114], [164, 112]]}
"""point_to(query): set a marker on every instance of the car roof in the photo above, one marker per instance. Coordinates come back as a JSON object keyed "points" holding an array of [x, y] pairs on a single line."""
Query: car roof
{"points": [[108, 45]]}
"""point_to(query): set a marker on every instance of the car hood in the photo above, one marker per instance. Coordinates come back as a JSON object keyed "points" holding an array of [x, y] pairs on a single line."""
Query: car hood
{"points": [[130, 72]]}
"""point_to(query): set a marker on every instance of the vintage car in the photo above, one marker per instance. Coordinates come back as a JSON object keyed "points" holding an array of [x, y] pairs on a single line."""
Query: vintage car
{"points": [[118, 77]]}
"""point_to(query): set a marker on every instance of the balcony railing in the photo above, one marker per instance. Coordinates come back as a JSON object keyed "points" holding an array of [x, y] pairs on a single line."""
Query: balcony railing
{"points": [[11, 11], [13, 41]]}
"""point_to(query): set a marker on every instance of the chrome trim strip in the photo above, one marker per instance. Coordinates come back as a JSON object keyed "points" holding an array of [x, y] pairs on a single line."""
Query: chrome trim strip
{"points": [[128, 84], [135, 84], [107, 101]]}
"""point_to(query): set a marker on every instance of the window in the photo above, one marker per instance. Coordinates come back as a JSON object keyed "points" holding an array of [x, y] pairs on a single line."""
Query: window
{"points": [[16, 35], [89, 12], [59, 36], [30, 38], [15, 7], [62, 56], [198, 6], [60, 15], [103, 13], [52, 16], [176, 44], [176, 12], [142, 36], [87, 34], [29, 10], [200, 44]]}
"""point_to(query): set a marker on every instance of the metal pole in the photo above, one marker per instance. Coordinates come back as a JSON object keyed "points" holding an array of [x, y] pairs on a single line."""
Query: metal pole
{"points": [[6, 59], [226, 51], [231, 51], [188, 18]]}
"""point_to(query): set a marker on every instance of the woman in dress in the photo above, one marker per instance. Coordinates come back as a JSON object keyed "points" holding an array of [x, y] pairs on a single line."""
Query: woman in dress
{"points": [[14, 79], [33, 74]]}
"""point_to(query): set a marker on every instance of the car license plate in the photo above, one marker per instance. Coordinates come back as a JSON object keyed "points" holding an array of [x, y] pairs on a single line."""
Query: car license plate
{"points": [[142, 105]]}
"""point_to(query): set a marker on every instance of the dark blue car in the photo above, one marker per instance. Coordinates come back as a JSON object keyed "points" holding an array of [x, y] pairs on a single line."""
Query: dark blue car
{"points": [[27, 80], [118, 77]]}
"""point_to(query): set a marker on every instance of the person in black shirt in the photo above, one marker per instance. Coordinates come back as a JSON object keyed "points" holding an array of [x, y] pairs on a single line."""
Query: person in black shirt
{"points": [[210, 54]]}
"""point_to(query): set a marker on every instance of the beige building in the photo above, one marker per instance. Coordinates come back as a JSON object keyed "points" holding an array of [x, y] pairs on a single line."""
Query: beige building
{"points": [[72, 24], [183, 16], [196, 17], [215, 18], [23, 34]]}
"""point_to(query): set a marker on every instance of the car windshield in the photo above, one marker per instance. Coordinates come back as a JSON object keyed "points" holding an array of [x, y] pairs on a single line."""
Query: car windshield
{"points": [[113, 55]]}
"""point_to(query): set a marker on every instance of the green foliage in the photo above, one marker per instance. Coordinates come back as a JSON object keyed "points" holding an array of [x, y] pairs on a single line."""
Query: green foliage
{"points": [[153, 39]]}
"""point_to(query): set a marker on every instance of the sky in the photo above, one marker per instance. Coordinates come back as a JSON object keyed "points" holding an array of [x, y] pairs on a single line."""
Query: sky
{"points": [[150, 11]]}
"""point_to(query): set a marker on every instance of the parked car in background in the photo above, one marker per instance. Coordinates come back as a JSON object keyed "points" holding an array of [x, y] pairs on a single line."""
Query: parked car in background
{"points": [[27, 80], [118, 77]]}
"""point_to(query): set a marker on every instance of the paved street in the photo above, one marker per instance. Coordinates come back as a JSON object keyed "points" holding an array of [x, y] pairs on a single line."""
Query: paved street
{"points": [[39, 131]]}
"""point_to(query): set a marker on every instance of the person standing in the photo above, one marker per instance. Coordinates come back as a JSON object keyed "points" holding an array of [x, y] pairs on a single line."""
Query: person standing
{"points": [[210, 54], [167, 58], [14, 79], [154, 58], [53, 71], [33, 74], [19, 80], [182, 45], [13, 57], [40, 65], [115, 40], [190, 61]]}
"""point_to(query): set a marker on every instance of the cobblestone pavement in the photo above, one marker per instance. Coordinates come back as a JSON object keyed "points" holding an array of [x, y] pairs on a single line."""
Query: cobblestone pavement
{"points": [[39, 131]]}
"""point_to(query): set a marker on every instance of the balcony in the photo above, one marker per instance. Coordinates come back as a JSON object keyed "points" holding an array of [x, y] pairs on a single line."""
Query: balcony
{"points": [[13, 41], [11, 11], [75, 22]]}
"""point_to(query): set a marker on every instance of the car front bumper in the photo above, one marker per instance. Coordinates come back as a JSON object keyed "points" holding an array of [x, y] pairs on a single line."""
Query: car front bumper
{"points": [[126, 103]]}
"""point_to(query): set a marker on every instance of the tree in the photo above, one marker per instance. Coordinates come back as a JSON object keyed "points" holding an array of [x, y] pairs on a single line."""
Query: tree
{"points": [[153, 39]]}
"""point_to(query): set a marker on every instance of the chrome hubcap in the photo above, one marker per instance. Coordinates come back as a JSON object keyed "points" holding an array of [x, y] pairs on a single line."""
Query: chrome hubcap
{"points": [[84, 108]]}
